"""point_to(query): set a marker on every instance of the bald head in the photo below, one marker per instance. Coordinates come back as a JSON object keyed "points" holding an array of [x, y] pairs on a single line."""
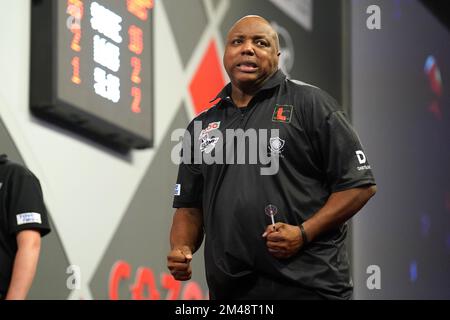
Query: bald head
{"points": [[270, 30], [251, 53]]}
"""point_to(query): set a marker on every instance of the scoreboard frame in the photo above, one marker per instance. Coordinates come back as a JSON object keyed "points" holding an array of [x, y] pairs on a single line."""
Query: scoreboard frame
{"points": [[45, 103]]}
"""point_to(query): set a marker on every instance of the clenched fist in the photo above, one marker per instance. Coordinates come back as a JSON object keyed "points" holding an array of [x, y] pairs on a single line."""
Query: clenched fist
{"points": [[179, 263]]}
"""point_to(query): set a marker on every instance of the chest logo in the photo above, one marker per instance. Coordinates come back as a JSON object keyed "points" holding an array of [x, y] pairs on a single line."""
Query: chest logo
{"points": [[276, 145], [208, 144], [282, 114], [211, 127]]}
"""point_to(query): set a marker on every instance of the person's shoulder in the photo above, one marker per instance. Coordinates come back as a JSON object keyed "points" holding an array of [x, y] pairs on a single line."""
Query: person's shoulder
{"points": [[304, 86], [17, 170], [309, 91], [312, 100], [202, 115]]}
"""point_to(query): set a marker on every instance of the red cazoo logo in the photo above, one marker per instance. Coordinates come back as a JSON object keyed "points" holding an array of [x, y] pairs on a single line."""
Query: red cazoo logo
{"points": [[144, 286]]}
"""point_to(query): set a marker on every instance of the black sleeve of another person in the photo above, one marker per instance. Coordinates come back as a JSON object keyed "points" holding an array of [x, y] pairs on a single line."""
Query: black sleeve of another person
{"points": [[25, 199]]}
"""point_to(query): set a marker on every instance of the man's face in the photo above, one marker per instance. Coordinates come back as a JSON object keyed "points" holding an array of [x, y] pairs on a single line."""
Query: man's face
{"points": [[251, 53]]}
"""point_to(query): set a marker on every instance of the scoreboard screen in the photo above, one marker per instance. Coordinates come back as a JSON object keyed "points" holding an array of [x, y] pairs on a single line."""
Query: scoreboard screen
{"points": [[91, 68]]}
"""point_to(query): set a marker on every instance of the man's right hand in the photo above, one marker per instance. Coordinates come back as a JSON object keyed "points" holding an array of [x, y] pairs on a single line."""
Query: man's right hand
{"points": [[179, 263]]}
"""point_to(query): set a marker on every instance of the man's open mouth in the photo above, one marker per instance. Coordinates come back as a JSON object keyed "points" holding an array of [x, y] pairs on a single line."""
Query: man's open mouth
{"points": [[247, 66]]}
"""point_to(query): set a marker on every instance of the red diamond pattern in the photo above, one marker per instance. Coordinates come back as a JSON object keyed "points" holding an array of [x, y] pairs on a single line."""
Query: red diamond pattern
{"points": [[208, 80]]}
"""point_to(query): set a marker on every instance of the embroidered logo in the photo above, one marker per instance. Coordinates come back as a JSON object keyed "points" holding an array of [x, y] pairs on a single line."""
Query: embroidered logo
{"points": [[276, 145], [208, 144], [282, 114], [212, 126]]}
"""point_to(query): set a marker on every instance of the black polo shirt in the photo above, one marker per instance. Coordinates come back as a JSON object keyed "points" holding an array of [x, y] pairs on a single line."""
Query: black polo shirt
{"points": [[21, 208], [318, 153]]}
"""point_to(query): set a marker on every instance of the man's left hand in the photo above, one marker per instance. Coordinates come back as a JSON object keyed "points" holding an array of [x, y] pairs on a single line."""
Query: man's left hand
{"points": [[283, 240]]}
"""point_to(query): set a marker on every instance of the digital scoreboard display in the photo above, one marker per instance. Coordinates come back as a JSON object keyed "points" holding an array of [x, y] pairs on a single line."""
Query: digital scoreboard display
{"points": [[91, 68]]}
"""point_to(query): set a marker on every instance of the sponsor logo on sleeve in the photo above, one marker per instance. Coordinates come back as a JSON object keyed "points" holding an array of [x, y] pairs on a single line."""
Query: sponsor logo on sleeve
{"points": [[362, 161], [28, 218], [177, 190]]}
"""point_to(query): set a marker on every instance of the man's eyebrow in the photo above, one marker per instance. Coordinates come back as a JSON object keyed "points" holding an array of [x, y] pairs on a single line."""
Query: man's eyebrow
{"points": [[261, 36], [254, 36]]}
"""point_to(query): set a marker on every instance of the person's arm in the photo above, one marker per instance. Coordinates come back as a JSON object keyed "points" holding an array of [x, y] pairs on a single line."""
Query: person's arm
{"points": [[286, 240], [186, 236], [339, 208], [25, 263]]}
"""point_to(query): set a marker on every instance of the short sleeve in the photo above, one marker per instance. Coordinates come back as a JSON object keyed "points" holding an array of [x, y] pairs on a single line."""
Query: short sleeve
{"points": [[189, 185], [26, 208], [342, 156]]}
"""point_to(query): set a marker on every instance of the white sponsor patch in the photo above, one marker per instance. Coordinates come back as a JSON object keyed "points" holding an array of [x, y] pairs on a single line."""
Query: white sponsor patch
{"points": [[362, 160], [177, 190], [212, 126], [29, 217], [361, 157], [208, 144]]}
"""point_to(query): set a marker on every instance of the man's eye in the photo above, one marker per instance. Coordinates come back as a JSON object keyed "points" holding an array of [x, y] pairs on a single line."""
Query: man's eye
{"points": [[236, 41], [261, 43]]}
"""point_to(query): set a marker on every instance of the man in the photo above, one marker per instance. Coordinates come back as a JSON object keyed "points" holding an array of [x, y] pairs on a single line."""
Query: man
{"points": [[322, 180], [23, 220]]}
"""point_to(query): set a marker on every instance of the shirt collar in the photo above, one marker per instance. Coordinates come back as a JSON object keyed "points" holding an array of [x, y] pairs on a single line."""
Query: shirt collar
{"points": [[272, 82]]}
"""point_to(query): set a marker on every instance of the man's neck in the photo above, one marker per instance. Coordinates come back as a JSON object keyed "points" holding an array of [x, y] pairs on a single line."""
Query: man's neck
{"points": [[243, 93], [240, 98]]}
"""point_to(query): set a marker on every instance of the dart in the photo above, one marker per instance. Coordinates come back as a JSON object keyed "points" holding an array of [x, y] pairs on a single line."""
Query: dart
{"points": [[271, 211]]}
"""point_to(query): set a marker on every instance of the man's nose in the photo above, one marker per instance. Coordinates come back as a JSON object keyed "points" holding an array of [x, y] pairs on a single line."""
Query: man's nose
{"points": [[247, 48]]}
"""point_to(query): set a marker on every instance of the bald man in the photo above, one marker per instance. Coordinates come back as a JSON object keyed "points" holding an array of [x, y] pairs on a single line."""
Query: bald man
{"points": [[277, 233]]}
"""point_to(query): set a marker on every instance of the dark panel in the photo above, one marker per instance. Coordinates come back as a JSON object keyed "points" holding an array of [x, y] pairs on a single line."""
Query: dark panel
{"points": [[92, 79], [440, 8]]}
